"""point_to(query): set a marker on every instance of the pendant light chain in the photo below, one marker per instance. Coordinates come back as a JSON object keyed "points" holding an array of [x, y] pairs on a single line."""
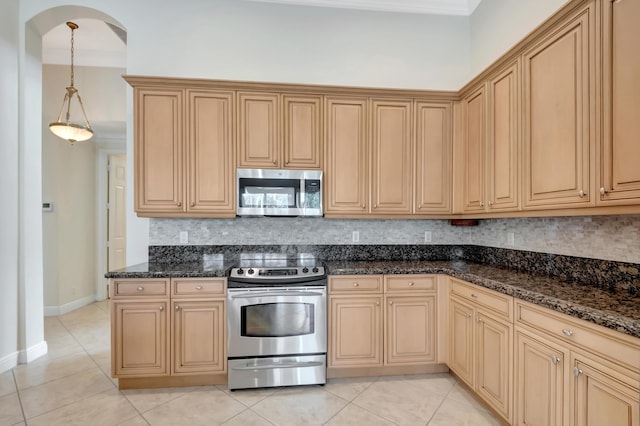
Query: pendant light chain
{"points": [[72, 50]]}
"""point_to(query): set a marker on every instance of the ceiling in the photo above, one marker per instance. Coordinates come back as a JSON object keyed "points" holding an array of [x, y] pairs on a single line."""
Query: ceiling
{"points": [[437, 7]]}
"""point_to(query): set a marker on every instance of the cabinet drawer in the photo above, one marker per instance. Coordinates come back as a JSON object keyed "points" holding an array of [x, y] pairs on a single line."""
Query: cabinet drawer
{"points": [[198, 287], [140, 288], [403, 283], [355, 283], [498, 303], [609, 343]]}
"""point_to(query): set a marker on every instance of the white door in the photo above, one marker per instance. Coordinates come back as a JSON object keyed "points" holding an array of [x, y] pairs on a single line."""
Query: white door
{"points": [[117, 219]]}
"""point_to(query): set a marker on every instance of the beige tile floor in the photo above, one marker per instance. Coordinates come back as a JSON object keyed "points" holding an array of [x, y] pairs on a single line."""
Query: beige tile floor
{"points": [[71, 385]]}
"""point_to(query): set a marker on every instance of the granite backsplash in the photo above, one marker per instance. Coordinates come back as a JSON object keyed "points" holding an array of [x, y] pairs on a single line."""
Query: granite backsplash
{"points": [[605, 274]]}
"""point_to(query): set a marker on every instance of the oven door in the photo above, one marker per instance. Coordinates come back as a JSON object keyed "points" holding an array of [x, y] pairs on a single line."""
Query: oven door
{"points": [[277, 321]]}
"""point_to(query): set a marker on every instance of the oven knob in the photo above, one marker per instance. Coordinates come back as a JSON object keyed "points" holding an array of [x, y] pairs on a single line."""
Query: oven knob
{"points": [[240, 271], [305, 270], [250, 271], [314, 270]]}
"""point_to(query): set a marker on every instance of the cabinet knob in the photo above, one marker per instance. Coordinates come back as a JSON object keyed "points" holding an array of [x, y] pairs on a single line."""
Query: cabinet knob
{"points": [[391, 302], [192, 204], [603, 191], [375, 206], [162, 308], [475, 296], [581, 194], [140, 288], [481, 204], [177, 308], [490, 203], [411, 284], [199, 287], [577, 371], [555, 360], [468, 315], [364, 206], [567, 332], [274, 161], [377, 303], [356, 284], [479, 319], [179, 204], [419, 206]]}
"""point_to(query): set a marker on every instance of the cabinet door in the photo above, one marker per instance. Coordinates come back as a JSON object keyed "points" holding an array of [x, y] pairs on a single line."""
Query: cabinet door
{"points": [[346, 164], [410, 334], [503, 140], [355, 330], [494, 363], [603, 396], [139, 339], [210, 153], [620, 180], [540, 389], [392, 147], [199, 337], [433, 145], [558, 129], [158, 150], [474, 151], [258, 132], [302, 131], [461, 340]]}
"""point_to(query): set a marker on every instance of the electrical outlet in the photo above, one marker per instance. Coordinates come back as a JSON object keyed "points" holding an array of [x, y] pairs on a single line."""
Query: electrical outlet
{"points": [[355, 236], [510, 239], [184, 237], [427, 236]]}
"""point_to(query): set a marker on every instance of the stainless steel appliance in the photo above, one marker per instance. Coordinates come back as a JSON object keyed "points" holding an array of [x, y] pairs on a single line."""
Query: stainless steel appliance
{"points": [[277, 323], [271, 192]]}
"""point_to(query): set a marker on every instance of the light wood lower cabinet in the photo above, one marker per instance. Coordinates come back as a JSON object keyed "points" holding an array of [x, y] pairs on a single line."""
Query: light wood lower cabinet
{"points": [[481, 343], [165, 328], [363, 334], [569, 371]]}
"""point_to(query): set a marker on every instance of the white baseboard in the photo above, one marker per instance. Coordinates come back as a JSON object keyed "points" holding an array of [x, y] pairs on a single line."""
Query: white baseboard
{"points": [[54, 311], [8, 362], [34, 352]]}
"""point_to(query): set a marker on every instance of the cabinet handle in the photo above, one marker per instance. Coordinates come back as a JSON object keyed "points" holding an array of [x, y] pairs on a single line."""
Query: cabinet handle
{"points": [[555, 360], [475, 296], [468, 315], [179, 204], [490, 203], [177, 308], [391, 302], [567, 332], [410, 284], [199, 287], [274, 161], [140, 288], [479, 319], [377, 303], [576, 371], [192, 204], [364, 206], [419, 206], [356, 284], [481, 204], [581, 194], [162, 308], [603, 191], [375, 206]]}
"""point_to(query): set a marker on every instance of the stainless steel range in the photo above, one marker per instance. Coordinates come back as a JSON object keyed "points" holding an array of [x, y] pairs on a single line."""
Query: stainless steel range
{"points": [[277, 320]]}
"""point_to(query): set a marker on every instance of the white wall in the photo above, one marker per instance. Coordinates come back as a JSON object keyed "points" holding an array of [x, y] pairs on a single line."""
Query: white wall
{"points": [[497, 25], [69, 181]]}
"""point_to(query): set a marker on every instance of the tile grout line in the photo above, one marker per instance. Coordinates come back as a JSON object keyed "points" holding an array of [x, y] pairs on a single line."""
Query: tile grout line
{"points": [[15, 384]]}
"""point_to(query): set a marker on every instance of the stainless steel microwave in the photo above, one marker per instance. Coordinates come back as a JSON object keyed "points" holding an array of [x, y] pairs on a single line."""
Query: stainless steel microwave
{"points": [[273, 192]]}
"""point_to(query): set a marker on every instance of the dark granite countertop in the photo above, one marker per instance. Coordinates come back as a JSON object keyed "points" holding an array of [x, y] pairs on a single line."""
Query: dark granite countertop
{"points": [[618, 310]]}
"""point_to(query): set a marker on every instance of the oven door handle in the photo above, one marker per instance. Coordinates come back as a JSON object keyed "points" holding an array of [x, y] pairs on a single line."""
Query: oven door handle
{"points": [[292, 364], [275, 294]]}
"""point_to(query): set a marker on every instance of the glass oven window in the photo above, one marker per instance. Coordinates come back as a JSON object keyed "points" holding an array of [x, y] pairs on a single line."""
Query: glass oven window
{"points": [[277, 320]]}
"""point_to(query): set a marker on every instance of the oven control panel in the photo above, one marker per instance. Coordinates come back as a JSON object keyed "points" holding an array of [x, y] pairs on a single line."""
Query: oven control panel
{"points": [[282, 273]]}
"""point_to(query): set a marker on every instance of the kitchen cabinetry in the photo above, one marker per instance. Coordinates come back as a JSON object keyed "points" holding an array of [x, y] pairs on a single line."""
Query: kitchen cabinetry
{"points": [[169, 331], [279, 130], [474, 108], [347, 161], [480, 342], [183, 152], [391, 155], [433, 154], [619, 182], [593, 371], [364, 335], [559, 103]]}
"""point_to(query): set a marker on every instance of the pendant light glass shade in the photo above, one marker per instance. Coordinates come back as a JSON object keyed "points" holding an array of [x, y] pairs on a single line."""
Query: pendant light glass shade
{"points": [[66, 129]]}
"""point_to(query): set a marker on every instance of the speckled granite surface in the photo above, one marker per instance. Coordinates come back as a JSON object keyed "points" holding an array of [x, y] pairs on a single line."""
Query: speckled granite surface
{"points": [[598, 291]]}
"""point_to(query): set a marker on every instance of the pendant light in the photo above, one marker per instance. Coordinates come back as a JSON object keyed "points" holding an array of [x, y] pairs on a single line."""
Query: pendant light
{"points": [[73, 132]]}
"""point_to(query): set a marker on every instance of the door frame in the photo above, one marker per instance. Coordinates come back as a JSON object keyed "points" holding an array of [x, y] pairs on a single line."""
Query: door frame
{"points": [[102, 197]]}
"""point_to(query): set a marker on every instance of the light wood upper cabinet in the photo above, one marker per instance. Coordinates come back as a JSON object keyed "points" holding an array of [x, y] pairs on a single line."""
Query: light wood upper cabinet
{"points": [[474, 137], [558, 125], [302, 131], [210, 152], [433, 156], [392, 147], [503, 140], [258, 130], [159, 150], [619, 182], [346, 167]]}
